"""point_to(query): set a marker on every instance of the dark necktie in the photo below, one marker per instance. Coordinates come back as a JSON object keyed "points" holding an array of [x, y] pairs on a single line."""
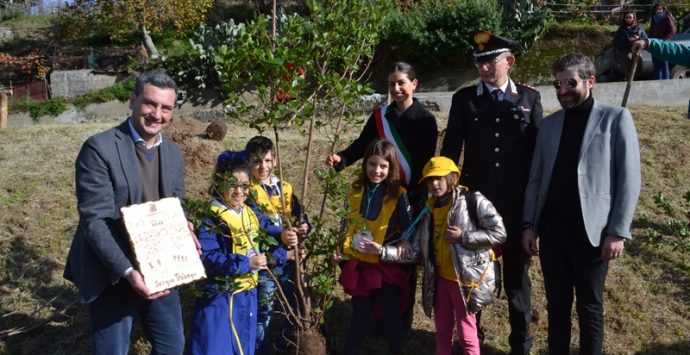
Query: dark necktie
{"points": [[271, 190], [496, 95]]}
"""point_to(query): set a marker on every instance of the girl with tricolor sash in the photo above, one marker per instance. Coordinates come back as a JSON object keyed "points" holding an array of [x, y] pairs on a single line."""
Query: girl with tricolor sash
{"points": [[224, 319], [378, 210], [406, 123]]}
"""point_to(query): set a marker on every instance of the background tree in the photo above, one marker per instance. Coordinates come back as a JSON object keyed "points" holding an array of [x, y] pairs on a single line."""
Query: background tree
{"points": [[120, 18]]}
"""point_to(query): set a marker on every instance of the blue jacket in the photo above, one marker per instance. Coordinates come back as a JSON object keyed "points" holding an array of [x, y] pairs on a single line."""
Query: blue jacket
{"points": [[212, 331]]}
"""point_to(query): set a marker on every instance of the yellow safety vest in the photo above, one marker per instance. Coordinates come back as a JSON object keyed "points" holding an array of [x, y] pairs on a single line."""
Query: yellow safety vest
{"points": [[272, 205], [244, 227], [377, 227]]}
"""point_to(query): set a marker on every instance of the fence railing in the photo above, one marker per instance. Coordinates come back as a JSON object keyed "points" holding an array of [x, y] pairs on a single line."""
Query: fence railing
{"points": [[610, 11]]}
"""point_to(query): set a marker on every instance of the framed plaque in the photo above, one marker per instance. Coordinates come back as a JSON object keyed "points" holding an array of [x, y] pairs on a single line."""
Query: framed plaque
{"points": [[163, 247]]}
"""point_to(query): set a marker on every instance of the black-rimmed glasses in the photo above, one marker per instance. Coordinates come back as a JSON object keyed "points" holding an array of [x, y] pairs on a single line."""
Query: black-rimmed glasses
{"points": [[242, 185], [572, 83]]}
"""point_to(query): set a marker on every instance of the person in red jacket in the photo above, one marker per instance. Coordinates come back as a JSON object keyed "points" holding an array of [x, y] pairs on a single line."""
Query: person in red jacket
{"points": [[663, 26]]}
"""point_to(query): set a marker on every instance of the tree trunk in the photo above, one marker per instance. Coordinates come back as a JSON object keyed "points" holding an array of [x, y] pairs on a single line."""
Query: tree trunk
{"points": [[148, 42]]}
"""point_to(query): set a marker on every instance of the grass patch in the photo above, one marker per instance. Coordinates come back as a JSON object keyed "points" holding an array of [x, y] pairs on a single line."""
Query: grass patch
{"points": [[36, 109]]}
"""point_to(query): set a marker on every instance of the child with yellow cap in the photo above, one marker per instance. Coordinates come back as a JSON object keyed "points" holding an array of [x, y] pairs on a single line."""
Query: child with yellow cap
{"points": [[454, 237]]}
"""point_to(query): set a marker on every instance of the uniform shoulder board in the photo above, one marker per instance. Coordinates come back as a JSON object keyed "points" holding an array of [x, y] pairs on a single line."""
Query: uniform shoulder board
{"points": [[526, 86]]}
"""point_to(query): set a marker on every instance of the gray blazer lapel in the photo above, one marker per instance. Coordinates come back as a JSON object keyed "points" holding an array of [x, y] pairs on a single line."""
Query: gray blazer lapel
{"points": [[554, 140], [127, 154], [595, 118]]}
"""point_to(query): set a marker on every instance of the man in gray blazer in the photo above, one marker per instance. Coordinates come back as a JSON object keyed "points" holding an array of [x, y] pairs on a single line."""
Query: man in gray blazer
{"points": [[580, 199], [131, 163]]}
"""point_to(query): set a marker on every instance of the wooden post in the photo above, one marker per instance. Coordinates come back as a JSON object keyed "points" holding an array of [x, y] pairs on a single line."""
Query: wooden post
{"points": [[3, 109]]}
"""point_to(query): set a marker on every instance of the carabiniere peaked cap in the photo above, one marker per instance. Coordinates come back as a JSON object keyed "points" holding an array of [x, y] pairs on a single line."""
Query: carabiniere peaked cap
{"points": [[488, 46]]}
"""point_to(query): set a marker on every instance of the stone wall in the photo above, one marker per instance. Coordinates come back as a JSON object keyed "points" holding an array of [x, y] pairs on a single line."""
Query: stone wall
{"points": [[647, 92], [71, 83]]}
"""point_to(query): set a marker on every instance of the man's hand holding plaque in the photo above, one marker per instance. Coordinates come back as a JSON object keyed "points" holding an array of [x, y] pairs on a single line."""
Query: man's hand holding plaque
{"points": [[166, 255]]}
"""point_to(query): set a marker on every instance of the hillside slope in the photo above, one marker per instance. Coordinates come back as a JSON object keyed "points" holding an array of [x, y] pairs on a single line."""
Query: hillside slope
{"points": [[647, 293]]}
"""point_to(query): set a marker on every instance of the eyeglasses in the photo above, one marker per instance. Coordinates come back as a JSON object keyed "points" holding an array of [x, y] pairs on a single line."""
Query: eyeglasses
{"points": [[242, 185], [480, 63], [572, 83]]}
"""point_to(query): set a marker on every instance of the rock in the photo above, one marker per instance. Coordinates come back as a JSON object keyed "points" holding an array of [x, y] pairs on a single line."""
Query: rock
{"points": [[216, 131], [6, 35]]}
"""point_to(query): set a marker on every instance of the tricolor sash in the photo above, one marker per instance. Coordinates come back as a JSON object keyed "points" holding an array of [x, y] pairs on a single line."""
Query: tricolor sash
{"points": [[390, 132]]}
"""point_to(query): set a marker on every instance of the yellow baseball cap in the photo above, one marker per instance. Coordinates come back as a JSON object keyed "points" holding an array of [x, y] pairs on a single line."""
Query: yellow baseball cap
{"points": [[439, 166]]}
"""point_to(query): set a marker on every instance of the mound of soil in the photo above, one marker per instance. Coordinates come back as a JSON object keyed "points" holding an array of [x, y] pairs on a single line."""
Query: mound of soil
{"points": [[199, 153]]}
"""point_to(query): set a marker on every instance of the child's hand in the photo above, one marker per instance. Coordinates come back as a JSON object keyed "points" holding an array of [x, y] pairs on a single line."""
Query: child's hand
{"points": [[258, 261], [404, 249], [368, 246], [333, 159], [454, 234], [302, 229], [289, 237], [291, 254], [336, 258]]}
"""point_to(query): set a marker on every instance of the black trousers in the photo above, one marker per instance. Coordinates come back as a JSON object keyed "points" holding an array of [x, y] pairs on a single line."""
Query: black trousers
{"points": [[569, 261], [518, 288], [389, 297]]}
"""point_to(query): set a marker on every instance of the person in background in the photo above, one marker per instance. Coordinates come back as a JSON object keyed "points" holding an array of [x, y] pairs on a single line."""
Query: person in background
{"points": [[580, 201], [628, 32], [496, 123], [662, 26]]}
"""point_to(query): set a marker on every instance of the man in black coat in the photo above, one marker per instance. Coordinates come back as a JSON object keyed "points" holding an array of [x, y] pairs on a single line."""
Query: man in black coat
{"points": [[496, 121]]}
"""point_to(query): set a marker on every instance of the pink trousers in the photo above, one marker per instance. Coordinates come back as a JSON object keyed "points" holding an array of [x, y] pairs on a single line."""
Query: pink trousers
{"points": [[449, 311]]}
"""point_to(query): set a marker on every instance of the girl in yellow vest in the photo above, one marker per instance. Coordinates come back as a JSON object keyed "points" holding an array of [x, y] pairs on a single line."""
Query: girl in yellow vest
{"points": [[224, 319], [378, 210], [455, 241]]}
